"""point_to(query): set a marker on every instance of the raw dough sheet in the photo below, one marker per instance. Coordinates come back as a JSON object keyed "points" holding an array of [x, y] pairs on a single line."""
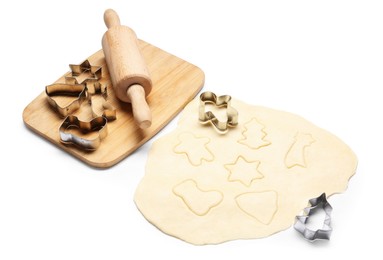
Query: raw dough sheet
{"points": [[206, 188]]}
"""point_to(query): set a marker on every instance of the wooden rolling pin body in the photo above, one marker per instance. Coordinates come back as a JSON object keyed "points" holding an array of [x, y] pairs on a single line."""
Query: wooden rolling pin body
{"points": [[129, 74]]}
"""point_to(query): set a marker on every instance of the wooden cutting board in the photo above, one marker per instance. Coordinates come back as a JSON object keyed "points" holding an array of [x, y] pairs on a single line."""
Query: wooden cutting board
{"points": [[175, 83]]}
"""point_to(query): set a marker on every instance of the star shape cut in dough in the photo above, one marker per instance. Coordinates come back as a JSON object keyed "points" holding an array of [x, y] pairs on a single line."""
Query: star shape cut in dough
{"points": [[244, 171]]}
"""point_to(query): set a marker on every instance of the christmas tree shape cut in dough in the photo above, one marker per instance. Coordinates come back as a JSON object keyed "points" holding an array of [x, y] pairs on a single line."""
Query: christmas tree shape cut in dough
{"points": [[254, 135], [188, 193]]}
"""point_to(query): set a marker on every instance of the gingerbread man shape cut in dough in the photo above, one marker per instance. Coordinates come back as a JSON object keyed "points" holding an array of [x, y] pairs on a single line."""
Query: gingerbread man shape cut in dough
{"points": [[207, 188]]}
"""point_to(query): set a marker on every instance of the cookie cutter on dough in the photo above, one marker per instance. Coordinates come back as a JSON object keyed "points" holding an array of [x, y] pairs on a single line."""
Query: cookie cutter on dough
{"points": [[301, 221], [64, 89], [208, 116], [98, 124]]}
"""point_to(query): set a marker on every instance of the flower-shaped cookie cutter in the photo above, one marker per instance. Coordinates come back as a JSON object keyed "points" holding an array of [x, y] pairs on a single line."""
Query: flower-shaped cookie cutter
{"points": [[301, 221], [208, 116]]}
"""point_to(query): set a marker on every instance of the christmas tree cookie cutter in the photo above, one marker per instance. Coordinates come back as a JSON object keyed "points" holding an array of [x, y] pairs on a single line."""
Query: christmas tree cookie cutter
{"points": [[108, 110], [208, 116], [301, 221]]}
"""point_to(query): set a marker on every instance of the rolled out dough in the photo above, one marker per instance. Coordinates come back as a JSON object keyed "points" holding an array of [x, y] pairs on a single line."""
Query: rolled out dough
{"points": [[206, 188]]}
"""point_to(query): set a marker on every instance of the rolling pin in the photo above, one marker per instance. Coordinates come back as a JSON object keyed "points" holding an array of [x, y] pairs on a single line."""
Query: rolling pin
{"points": [[127, 69]]}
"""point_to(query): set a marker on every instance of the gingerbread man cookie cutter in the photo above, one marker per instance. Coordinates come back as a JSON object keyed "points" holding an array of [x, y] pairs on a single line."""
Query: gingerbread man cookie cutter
{"points": [[209, 117], [97, 124], [301, 221]]}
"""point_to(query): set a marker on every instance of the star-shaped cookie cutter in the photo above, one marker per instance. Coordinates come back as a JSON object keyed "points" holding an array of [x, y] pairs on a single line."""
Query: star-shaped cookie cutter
{"points": [[208, 116], [301, 221], [84, 73], [81, 78]]}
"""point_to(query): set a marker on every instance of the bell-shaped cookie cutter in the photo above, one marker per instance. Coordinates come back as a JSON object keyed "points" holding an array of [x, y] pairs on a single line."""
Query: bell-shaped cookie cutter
{"points": [[98, 124], [208, 116], [63, 89], [301, 221]]}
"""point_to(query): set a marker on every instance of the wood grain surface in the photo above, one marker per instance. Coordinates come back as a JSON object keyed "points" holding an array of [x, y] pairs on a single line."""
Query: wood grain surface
{"points": [[175, 83]]}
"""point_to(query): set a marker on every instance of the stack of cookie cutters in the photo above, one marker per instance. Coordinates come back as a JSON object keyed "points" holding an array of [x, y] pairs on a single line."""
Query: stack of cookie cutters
{"points": [[82, 83]]}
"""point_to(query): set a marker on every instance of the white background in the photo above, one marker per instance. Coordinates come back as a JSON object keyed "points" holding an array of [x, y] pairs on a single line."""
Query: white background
{"points": [[320, 59]]}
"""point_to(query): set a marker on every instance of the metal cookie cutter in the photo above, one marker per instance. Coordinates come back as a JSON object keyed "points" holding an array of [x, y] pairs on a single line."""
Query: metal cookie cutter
{"points": [[62, 89], [76, 83], [208, 116], [84, 73], [108, 111], [82, 82], [96, 124], [301, 221]]}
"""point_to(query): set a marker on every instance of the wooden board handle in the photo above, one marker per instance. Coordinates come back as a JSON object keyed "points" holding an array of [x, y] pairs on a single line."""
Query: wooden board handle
{"points": [[111, 18]]}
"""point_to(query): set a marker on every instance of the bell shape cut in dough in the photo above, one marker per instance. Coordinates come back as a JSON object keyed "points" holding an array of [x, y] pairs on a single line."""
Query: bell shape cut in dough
{"points": [[260, 205], [207, 188]]}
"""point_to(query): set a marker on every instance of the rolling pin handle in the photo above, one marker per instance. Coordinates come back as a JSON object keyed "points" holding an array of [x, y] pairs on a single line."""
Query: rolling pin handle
{"points": [[141, 110], [111, 18]]}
